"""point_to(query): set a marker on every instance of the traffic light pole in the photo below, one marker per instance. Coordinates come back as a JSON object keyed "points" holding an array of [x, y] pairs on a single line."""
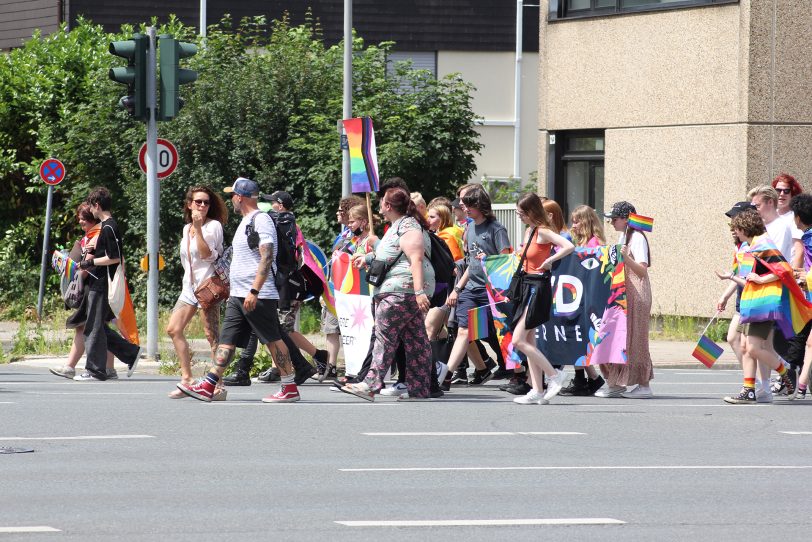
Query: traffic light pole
{"points": [[153, 200]]}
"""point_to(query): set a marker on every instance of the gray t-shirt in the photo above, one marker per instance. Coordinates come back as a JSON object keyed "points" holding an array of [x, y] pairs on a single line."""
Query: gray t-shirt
{"points": [[488, 238], [399, 278]]}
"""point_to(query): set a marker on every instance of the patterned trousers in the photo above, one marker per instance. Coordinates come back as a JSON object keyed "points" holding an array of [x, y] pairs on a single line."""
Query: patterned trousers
{"points": [[398, 320]]}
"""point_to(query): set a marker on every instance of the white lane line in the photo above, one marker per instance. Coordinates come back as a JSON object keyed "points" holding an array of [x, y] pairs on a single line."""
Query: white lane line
{"points": [[590, 467], [470, 433], [302, 403], [88, 393], [631, 403], [34, 529], [796, 432], [86, 437], [482, 522], [7, 403]]}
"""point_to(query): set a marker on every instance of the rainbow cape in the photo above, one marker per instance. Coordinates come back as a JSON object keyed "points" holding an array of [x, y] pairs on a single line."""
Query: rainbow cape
{"points": [[640, 222], [363, 154], [781, 300]]}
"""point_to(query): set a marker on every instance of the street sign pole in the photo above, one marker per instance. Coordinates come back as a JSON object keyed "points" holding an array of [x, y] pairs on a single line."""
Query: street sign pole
{"points": [[346, 182], [153, 201], [46, 238]]}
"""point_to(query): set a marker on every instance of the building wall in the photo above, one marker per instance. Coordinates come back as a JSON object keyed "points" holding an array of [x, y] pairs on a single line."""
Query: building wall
{"points": [[698, 105], [19, 19], [492, 74]]}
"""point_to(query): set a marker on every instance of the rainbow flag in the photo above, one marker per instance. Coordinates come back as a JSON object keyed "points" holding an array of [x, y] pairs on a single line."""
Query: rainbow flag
{"points": [[478, 323], [64, 265], [707, 351], [782, 300], [363, 154], [640, 222], [314, 258], [500, 269]]}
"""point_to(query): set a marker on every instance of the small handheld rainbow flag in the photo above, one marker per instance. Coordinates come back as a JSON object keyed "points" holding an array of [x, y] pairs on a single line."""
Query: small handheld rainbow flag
{"points": [[478, 323], [707, 351], [640, 222], [363, 154]]}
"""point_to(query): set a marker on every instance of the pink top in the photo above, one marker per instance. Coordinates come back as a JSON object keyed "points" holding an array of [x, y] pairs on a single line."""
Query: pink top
{"points": [[593, 242]]}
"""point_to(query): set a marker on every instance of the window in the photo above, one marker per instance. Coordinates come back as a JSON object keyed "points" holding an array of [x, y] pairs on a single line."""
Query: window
{"points": [[569, 9], [579, 170]]}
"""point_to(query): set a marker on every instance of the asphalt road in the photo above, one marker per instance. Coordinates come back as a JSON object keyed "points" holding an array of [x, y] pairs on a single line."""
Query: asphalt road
{"points": [[681, 466]]}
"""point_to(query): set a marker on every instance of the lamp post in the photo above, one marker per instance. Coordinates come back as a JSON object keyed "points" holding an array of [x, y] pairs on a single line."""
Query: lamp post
{"points": [[346, 187]]}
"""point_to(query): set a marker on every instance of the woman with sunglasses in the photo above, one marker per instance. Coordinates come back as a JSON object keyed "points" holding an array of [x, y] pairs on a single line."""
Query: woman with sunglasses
{"points": [[204, 213]]}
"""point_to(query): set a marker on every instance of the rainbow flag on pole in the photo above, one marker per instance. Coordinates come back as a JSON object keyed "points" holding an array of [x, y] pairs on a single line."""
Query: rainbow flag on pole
{"points": [[478, 323], [707, 351], [640, 222], [363, 154]]}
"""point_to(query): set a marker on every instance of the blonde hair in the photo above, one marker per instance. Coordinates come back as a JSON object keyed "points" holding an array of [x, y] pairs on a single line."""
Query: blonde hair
{"points": [[766, 191], [444, 212], [417, 198], [359, 212], [589, 226]]}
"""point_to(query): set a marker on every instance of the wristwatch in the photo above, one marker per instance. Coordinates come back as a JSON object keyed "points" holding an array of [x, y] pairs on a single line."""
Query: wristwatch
{"points": [[457, 289], [253, 291]]}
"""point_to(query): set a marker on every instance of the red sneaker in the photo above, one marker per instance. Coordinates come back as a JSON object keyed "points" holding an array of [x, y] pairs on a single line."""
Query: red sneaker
{"points": [[288, 393], [202, 390]]}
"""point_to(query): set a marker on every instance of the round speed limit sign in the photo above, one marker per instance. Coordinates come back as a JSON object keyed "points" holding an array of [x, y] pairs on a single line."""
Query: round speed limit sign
{"points": [[167, 158]]}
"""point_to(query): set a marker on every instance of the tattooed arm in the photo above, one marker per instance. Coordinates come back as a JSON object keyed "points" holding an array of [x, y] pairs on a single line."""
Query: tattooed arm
{"points": [[265, 268]]}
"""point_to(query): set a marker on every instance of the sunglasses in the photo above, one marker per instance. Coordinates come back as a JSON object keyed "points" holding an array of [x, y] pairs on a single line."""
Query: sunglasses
{"points": [[201, 202], [784, 190]]}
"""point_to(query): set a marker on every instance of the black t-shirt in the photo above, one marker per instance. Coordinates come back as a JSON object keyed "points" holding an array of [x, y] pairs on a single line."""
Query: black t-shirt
{"points": [[108, 244]]}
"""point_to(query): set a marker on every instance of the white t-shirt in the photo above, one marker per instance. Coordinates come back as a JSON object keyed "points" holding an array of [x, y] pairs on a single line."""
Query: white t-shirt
{"points": [[201, 267], [789, 216], [245, 262], [780, 233], [638, 246]]}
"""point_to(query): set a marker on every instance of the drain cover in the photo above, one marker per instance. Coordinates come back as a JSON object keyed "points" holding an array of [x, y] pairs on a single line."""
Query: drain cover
{"points": [[7, 450]]}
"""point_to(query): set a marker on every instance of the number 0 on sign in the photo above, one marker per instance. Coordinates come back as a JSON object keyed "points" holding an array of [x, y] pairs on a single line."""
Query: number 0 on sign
{"points": [[167, 158]]}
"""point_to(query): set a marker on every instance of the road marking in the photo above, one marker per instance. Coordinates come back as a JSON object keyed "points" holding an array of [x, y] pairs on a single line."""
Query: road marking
{"points": [[35, 529], [482, 522], [625, 405], [796, 432], [7, 403], [590, 467], [304, 403], [87, 437], [470, 433], [88, 393]]}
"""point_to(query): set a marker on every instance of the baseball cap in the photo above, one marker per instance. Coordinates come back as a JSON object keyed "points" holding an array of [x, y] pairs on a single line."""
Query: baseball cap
{"points": [[738, 208], [456, 204], [621, 209], [280, 197], [244, 187]]}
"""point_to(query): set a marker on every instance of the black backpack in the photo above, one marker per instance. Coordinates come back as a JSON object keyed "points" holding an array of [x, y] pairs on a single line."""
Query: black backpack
{"points": [[288, 277], [441, 260]]}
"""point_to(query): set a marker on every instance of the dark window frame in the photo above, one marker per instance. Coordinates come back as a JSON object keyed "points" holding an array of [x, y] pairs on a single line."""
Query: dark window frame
{"points": [[562, 155], [560, 12]]}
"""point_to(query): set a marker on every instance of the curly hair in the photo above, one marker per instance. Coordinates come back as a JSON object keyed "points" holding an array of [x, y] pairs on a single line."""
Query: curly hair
{"points": [[801, 205], [217, 208], [749, 222], [348, 203]]}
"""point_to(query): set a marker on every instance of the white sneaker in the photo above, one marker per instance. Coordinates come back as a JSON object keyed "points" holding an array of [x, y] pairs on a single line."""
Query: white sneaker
{"points": [[639, 392], [555, 384], [131, 370], [532, 398], [610, 391], [764, 396], [395, 390], [442, 371], [64, 372], [84, 376]]}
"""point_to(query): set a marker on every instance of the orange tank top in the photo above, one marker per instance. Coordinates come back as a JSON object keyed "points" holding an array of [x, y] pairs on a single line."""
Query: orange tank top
{"points": [[536, 254]]}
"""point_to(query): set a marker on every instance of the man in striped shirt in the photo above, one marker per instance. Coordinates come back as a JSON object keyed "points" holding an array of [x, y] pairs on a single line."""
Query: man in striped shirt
{"points": [[254, 299]]}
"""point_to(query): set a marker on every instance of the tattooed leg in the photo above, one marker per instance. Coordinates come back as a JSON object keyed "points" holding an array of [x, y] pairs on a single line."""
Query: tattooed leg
{"points": [[211, 327], [222, 359], [281, 357]]}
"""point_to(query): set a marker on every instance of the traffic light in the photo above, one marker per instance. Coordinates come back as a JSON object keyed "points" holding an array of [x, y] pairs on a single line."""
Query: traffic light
{"points": [[134, 75], [172, 75]]}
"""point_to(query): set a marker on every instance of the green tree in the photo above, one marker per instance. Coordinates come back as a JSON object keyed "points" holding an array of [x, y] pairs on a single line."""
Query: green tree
{"points": [[265, 106]]}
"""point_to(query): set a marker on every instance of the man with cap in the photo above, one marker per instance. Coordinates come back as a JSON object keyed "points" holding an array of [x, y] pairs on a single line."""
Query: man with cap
{"points": [[254, 299], [282, 206]]}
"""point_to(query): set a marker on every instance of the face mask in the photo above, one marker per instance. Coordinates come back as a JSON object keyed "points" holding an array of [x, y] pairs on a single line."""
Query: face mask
{"points": [[358, 231]]}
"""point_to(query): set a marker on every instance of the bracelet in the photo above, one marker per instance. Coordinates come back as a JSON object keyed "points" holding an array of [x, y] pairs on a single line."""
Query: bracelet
{"points": [[254, 291], [419, 292]]}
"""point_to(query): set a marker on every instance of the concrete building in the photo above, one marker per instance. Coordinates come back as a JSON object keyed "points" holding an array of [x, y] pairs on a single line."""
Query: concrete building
{"points": [[476, 38], [679, 107]]}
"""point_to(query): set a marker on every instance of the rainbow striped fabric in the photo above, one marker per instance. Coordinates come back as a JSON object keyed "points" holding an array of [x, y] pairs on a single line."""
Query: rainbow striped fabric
{"points": [[478, 323], [782, 300], [640, 222], [315, 259], [707, 351], [363, 154]]}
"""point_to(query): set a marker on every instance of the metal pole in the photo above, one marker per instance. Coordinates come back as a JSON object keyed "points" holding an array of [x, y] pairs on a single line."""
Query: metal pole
{"points": [[202, 18], [517, 97], [346, 186], [46, 239], [153, 203]]}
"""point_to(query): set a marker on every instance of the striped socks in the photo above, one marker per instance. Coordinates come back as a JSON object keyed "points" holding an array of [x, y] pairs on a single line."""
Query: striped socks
{"points": [[750, 383]]}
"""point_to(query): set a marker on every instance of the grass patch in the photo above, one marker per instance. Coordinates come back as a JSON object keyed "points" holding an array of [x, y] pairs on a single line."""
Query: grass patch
{"points": [[671, 327], [41, 339]]}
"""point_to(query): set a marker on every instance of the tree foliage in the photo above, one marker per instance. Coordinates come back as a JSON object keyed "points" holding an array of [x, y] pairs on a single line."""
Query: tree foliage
{"points": [[265, 106]]}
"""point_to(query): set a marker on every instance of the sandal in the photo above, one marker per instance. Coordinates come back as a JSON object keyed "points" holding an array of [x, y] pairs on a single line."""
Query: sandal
{"points": [[176, 394]]}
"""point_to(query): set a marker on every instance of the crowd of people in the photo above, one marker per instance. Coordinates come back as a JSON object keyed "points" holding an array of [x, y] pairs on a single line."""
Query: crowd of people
{"points": [[421, 316]]}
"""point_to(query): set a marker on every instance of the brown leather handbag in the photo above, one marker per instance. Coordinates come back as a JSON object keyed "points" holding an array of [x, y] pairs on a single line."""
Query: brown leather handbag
{"points": [[212, 291]]}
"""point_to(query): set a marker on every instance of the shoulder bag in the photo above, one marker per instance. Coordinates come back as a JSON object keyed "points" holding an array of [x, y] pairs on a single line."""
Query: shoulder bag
{"points": [[213, 290]]}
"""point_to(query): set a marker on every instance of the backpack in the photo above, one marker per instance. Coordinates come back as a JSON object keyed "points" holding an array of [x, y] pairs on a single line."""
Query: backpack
{"points": [[441, 260], [288, 277]]}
